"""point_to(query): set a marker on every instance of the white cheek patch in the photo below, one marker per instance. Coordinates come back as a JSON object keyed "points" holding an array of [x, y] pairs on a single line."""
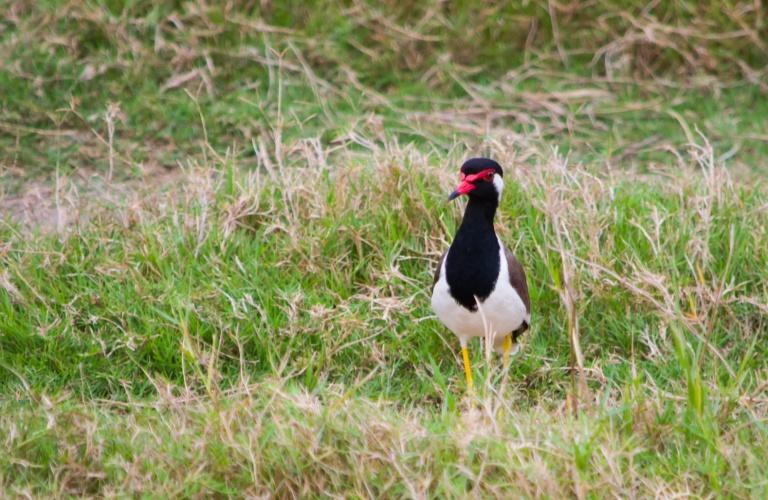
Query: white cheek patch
{"points": [[498, 183]]}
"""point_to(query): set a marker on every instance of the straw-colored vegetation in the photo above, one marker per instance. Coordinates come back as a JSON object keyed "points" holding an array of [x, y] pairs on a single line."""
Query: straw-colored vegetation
{"points": [[220, 224]]}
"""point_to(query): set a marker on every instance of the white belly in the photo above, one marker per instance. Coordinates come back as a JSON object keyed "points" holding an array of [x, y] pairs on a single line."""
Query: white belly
{"points": [[501, 313]]}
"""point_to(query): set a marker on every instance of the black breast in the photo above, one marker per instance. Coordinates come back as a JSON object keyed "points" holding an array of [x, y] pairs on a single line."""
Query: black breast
{"points": [[473, 263]]}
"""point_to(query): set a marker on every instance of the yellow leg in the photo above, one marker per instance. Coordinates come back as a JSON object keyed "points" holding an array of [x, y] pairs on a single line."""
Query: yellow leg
{"points": [[467, 368], [507, 346]]}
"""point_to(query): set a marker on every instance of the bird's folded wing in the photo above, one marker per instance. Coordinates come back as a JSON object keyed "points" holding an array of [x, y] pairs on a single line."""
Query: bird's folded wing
{"points": [[517, 279]]}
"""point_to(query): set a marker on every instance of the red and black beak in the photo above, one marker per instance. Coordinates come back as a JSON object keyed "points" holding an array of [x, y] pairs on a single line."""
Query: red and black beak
{"points": [[467, 183], [465, 187]]}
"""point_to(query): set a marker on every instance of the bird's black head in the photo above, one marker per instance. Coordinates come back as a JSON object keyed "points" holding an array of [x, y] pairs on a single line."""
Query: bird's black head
{"points": [[481, 179]]}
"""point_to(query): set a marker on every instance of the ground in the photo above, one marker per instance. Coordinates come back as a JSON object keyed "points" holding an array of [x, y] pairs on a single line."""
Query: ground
{"points": [[220, 224]]}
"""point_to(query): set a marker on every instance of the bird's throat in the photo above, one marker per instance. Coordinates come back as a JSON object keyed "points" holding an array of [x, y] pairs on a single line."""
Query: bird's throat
{"points": [[479, 213]]}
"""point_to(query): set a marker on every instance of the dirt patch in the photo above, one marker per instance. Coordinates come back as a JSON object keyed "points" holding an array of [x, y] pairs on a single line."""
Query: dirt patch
{"points": [[55, 206]]}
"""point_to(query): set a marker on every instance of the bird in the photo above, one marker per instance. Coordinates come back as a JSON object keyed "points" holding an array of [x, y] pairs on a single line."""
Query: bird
{"points": [[479, 286]]}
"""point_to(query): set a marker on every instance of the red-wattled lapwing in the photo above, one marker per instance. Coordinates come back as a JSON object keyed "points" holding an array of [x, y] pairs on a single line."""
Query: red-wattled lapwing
{"points": [[479, 286]]}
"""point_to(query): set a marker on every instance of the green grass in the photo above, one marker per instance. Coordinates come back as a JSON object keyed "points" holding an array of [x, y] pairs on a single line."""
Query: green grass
{"points": [[243, 308], [326, 70]]}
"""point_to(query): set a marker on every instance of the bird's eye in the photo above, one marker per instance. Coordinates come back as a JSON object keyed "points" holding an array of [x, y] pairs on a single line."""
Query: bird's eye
{"points": [[489, 176]]}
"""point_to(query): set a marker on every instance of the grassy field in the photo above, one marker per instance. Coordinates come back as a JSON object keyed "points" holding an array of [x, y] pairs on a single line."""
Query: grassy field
{"points": [[219, 226]]}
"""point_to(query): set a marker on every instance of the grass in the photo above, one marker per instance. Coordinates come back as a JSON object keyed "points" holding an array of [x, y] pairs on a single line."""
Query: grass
{"points": [[222, 224]]}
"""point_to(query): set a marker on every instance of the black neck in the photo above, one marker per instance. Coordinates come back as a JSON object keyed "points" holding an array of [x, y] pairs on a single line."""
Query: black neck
{"points": [[479, 214]]}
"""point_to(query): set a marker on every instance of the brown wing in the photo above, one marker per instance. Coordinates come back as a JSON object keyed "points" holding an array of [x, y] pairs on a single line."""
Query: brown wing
{"points": [[437, 271], [517, 279], [520, 284]]}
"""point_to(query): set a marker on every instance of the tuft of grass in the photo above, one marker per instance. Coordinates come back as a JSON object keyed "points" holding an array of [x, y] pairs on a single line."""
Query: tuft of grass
{"points": [[273, 439]]}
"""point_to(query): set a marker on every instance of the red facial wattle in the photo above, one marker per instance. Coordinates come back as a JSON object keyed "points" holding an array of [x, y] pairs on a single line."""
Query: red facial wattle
{"points": [[467, 183]]}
